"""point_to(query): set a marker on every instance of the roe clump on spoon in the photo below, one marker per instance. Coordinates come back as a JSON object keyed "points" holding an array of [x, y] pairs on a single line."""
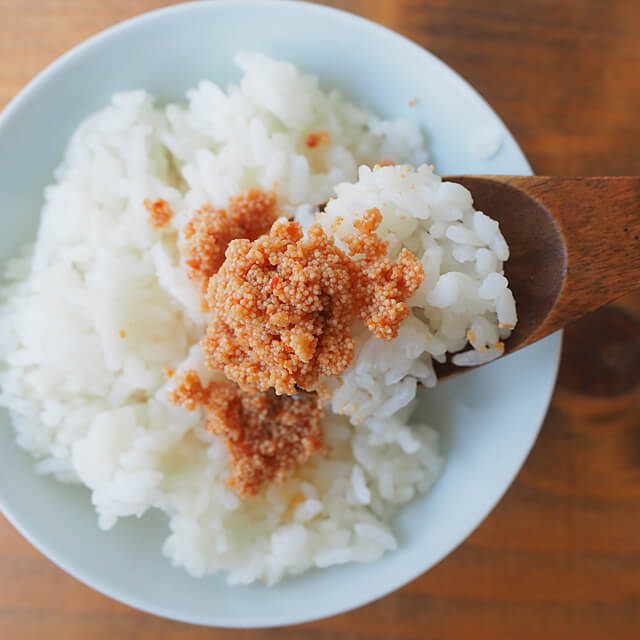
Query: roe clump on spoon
{"points": [[283, 306]]}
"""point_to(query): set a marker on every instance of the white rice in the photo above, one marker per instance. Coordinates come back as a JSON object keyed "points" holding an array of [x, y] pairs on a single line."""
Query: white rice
{"points": [[100, 304], [93, 311], [464, 297]]}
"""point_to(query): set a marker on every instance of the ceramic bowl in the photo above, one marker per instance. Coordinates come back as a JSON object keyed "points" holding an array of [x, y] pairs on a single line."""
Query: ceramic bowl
{"points": [[489, 418]]}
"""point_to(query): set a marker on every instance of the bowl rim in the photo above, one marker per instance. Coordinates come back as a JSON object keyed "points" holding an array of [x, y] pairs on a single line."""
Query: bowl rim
{"points": [[14, 105]]}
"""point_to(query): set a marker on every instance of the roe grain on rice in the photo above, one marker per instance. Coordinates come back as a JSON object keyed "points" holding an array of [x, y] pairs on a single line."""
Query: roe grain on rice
{"points": [[267, 435]]}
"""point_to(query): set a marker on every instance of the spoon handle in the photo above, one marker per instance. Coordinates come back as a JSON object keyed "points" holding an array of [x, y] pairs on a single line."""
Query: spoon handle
{"points": [[599, 222]]}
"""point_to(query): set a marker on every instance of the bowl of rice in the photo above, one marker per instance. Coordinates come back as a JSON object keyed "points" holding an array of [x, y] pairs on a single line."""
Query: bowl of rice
{"points": [[230, 271]]}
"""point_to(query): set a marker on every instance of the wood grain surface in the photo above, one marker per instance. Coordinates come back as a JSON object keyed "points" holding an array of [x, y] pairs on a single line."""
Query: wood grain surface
{"points": [[559, 557]]}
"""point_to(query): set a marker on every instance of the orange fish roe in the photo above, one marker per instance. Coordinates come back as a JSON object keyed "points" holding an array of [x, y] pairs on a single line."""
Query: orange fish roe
{"points": [[385, 284], [282, 306], [210, 230], [189, 392], [319, 138], [160, 211], [385, 162], [267, 435]]}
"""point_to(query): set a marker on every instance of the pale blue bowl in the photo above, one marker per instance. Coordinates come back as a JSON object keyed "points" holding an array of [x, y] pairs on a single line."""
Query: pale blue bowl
{"points": [[489, 418]]}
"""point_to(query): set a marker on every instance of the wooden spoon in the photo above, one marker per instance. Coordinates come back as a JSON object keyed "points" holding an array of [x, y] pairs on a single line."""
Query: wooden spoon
{"points": [[574, 246]]}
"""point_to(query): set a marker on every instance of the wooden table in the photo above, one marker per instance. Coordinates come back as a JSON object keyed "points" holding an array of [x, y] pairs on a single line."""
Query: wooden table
{"points": [[560, 555]]}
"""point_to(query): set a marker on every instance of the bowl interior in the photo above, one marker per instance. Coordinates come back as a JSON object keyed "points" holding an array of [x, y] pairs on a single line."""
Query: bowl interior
{"points": [[489, 418]]}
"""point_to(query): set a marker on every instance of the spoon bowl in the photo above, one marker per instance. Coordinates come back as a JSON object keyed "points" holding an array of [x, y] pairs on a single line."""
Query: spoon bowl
{"points": [[574, 246], [538, 258]]}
